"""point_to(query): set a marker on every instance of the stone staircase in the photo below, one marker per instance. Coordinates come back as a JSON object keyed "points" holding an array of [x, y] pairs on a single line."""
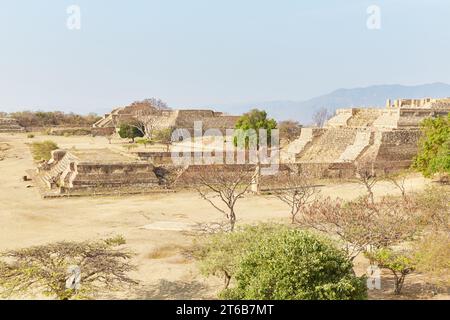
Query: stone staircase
{"points": [[364, 118], [340, 119], [55, 174], [328, 147], [388, 119], [296, 146], [352, 152]]}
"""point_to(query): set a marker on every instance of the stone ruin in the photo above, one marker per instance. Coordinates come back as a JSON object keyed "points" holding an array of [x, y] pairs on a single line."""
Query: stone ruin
{"points": [[387, 139], [10, 125], [94, 171], [163, 118]]}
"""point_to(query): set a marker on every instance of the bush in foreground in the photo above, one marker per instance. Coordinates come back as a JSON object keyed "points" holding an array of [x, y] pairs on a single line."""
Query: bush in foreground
{"points": [[219, 254], [281, 263]]}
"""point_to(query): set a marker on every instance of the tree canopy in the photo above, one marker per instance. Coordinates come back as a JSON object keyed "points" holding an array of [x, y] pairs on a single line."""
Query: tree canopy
{"points": [[129, 131], [434, 147], [254, 120], [295, 265], [46, 269]]}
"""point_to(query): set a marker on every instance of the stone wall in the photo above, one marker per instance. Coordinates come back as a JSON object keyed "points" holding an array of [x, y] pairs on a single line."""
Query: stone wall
{"points": [[169, 118], [10, 125], [67, 172]]}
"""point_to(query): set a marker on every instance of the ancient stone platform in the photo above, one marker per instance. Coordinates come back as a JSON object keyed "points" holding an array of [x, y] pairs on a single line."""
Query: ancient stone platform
{"points": [[95, 172]]}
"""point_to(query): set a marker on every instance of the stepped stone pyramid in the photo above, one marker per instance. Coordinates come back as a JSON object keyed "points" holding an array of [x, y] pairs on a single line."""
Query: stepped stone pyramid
{"points": [[163, 118], [387, 138]]}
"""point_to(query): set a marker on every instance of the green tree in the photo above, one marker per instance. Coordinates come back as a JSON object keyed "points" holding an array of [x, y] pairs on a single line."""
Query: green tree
{"points": [[164, 136], [254, 120], [219, 253], [290, 264], [434, 147], [144, 141], [399, 263], [129, 131]]}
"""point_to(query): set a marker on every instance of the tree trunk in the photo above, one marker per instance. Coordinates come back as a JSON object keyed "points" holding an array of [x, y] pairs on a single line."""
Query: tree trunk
{"points": [[227, 280], [399, 283], [232, 219]]}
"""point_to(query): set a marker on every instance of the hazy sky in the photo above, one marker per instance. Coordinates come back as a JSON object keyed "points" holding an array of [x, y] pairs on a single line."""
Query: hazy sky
{"points": [[195, 53]]}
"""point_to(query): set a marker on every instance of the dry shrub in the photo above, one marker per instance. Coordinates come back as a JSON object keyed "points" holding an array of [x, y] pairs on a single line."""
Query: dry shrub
{"points": [[164, 252], [433, 258]]}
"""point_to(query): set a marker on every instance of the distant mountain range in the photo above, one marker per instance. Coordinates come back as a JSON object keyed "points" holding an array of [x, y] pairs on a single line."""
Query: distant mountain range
{"points": [[373, 96]]}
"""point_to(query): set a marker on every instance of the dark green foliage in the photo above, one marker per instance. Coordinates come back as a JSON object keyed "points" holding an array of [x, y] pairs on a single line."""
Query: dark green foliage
{"points": [[129, 131], [255, 119], [399, 263], [434, 147], [278, 262]]}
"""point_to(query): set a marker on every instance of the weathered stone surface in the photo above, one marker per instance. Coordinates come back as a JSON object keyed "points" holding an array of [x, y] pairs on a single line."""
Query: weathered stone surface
{"points": [[10, 125], [97, 169], [386, 138], [176, 119]]}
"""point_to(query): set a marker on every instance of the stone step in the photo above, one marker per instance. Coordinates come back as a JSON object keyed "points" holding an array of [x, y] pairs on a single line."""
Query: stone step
{"points": [[351, 153]]}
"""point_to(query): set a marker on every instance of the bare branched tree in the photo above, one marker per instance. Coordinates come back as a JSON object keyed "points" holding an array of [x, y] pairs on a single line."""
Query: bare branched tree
{"points": [[289, 130], [320, 117], [155, 103], [367, 177], [222, 186], [44, 269], [399, 182], [146, 123], [146, 116], [296, 191], [361, 224]]}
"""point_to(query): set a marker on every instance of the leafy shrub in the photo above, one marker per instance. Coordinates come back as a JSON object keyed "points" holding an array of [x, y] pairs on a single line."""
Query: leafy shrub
{"points": [[277, 262], [219, 254], [253, 120], [116, 241], [30, 136], [144, 141], [42, 150], [129, 131], [399, 263], [434, 147]]}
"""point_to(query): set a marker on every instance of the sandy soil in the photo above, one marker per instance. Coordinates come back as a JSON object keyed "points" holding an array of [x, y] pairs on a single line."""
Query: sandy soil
{"points": [[149, 223]]}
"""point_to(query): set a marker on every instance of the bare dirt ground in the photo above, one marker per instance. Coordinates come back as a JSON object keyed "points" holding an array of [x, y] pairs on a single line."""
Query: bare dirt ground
{"points": [[154, 225]]}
